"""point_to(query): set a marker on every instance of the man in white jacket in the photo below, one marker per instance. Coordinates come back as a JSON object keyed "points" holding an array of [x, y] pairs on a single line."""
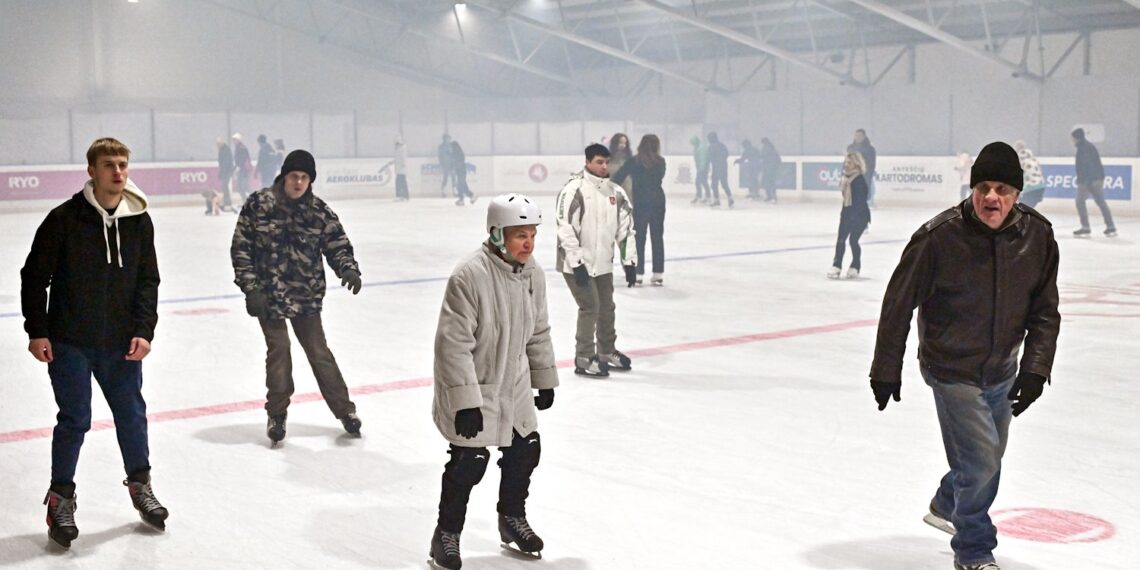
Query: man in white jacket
{"points": [[594, 215], [492, 347]]}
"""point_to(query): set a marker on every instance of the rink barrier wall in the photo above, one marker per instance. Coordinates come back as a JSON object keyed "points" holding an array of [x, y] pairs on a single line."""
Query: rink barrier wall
{"points": [[904, 180]]}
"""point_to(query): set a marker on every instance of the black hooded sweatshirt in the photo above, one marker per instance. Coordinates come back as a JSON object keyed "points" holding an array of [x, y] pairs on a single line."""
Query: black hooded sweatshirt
{"points": [[103, 280]]}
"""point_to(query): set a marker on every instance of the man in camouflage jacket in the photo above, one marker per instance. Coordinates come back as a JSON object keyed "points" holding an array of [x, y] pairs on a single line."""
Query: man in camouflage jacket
{"points": [[281, 234]]}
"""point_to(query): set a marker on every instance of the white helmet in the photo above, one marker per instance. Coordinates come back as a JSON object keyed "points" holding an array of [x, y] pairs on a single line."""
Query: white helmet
{"points": [[512, 210]]}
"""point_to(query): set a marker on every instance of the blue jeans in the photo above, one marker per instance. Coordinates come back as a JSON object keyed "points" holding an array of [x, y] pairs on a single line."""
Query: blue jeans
{"points": [[121, 382], [975, 429]]}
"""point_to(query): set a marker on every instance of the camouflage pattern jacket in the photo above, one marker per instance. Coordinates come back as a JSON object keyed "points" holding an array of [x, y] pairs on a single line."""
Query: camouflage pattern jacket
{"points": [[277, 249]]}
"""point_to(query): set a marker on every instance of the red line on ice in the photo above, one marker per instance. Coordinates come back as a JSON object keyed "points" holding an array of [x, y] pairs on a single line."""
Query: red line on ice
{"points": [[247, 405]]}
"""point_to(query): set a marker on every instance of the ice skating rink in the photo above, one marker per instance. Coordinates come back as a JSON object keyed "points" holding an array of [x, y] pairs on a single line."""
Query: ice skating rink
{"points": [[745, 437]]}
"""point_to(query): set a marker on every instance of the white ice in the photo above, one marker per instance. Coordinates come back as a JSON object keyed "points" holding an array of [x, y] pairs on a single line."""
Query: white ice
{"points": [[721, 450]]}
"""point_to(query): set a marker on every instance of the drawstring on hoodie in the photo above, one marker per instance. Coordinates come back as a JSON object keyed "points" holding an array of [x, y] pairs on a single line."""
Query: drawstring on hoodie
{"points": [[132, 203], [118, 241]]}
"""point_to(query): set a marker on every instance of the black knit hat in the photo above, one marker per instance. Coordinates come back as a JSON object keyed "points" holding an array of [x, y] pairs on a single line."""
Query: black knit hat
{"points": [[997, 162], [299, 160]]}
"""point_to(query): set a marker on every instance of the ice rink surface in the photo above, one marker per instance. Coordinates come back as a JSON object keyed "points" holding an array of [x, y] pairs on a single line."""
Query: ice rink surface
{"points": [[745, 437]]}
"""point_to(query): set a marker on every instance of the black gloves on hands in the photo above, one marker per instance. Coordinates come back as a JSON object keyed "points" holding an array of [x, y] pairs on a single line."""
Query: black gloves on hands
{"points": [[351, 279], [630, 275], [1026, 389], [544, 399], [883, 392], [581, 276], [256, 303], [468, 422]]}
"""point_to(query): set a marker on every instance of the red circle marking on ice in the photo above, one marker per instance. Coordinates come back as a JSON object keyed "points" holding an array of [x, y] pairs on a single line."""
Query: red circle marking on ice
{"points": [[1052, 525], [202, 311]]}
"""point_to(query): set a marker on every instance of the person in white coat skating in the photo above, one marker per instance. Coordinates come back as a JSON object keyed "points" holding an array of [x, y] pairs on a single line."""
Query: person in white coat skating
{"points": [[594, 215]]}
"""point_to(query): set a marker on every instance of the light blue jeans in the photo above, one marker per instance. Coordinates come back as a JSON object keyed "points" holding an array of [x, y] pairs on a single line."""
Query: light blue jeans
{"points": [[975, 429]]}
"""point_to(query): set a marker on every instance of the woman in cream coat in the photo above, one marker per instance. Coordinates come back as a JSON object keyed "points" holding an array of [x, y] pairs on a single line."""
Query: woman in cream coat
{"points": [[492, 348]]}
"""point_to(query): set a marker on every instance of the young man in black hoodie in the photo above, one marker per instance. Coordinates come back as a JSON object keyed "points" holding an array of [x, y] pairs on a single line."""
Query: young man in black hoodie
{"points": [[96, 254]]}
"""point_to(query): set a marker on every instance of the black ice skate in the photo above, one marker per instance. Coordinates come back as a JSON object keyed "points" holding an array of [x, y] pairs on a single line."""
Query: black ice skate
{"points": [[445, 550], [351, 424], [616, 361], [275, 429], [61, 518], [591, 367], [150, 510], [519, 537]]}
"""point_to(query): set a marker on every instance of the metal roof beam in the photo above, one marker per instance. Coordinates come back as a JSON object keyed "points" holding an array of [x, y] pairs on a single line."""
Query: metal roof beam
{"points": [[490, 56], [597, 46], [759, 45], [944, 37]]}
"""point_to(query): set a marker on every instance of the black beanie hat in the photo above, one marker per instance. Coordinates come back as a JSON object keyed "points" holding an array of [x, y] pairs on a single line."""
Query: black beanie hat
{"points": [[1078, 133], [997, 162], [299, 160]]}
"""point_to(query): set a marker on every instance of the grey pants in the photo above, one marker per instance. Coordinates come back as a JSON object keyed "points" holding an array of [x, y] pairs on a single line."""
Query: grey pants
{"points": [[595, 313], [1096, 190], [279, 365]]}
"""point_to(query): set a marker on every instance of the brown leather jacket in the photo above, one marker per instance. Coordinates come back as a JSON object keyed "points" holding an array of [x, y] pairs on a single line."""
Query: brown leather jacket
{"points": [[979, 293]]}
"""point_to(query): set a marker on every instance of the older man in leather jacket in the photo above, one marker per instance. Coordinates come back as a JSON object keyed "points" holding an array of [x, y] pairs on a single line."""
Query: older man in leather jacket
{"points": [[983, 276]]}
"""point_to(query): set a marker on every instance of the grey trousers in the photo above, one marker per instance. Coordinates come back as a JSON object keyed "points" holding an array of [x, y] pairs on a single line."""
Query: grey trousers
{"points": [[595, 314], [1096, 190], [279, 365]]}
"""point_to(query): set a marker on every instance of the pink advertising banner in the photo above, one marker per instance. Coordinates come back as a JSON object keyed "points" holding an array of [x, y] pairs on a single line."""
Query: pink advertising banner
{"points": [[46, 183]]}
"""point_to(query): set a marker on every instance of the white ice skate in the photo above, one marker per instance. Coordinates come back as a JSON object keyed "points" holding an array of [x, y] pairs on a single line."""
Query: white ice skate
{"points": [[936, 520], [658, 280], [852, 273], [833, 273]]}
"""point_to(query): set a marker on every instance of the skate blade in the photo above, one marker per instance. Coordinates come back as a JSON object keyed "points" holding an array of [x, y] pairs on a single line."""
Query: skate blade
{"points": [[514, 551], [940, 524], [432, 563], [58, 542]]}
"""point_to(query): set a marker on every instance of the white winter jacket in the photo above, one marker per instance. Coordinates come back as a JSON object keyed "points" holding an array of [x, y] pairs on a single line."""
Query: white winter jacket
{"points": [[593, 215], [492, 347]]}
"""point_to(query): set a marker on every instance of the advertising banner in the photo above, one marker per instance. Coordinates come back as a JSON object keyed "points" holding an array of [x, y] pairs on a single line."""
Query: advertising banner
{"points": [[1061, 181], [61, 182], [821, 175], [915, 176], [535, 174]]}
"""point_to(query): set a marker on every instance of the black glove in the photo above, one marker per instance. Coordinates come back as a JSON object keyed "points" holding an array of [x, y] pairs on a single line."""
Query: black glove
{"points": [[351, 278], [581, 276], [1026, 389], [468, 422], [544, 399], [256, 303], [883, 392], [630, 275]]}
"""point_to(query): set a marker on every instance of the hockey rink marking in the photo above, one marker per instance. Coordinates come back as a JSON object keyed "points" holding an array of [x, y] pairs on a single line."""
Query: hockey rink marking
{"points": [[1052, 525], [418, 280], [423, 382]]}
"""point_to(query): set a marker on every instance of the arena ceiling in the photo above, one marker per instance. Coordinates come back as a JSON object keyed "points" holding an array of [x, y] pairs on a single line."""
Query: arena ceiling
{"points": [[619, 47]]}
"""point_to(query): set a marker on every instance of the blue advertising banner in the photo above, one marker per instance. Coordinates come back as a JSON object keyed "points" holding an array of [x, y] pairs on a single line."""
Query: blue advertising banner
{"points": [[1061, 181], [822, 175]]}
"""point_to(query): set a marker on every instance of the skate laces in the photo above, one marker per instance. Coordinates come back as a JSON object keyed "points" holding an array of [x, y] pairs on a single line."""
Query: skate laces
{"points": [[143, 496], [62, 509], [450, 541], [520, 526]]}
